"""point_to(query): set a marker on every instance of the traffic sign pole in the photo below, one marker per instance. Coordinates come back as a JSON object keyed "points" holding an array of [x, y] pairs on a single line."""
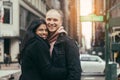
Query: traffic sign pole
{"points": [[110, 71]]}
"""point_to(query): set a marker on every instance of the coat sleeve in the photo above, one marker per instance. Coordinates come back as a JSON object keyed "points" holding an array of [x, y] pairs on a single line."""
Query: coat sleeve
{"points": [[72, 60], [42, 59]]}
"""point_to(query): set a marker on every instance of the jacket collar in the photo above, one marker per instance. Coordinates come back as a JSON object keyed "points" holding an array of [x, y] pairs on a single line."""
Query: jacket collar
{"points": [[60, 38]]}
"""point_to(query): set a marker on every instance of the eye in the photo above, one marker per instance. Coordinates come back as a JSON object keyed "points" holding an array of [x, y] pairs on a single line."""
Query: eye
{"points": [[40, 29], [48, 19], [55, 19]]}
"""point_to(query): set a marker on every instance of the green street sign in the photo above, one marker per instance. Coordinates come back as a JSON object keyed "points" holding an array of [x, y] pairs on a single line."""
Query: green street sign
{"points": [[91, 17]]}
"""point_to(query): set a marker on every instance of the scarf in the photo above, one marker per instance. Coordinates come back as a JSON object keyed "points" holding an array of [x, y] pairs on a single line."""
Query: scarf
{"points": [[52, 38]]}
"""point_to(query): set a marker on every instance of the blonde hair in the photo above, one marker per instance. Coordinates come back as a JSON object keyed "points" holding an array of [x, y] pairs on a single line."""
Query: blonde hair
{"points": [[56, 10]]}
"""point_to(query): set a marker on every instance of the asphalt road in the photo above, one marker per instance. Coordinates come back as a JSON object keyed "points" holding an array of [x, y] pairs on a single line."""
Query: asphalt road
{"points": [[93, 77]]}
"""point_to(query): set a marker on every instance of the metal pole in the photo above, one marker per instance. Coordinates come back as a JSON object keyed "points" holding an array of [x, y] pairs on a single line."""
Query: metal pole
{"points": [[111, 70], [107, 53]]}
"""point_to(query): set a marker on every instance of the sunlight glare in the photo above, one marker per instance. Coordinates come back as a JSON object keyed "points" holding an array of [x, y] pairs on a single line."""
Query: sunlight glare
{"points": [[87, 32], [86, 9]]}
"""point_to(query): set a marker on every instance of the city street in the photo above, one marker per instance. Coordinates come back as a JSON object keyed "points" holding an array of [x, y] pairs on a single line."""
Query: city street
{"points": [[93, 25], [92, 76], [6, 72]]}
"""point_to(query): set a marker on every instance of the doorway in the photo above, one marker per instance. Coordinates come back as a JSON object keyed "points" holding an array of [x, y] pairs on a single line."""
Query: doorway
{"points": [[7, 46]]}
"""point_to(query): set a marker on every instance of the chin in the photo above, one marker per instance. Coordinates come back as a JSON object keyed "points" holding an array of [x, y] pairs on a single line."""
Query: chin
{"points": [[52, 31], [44, 38]]}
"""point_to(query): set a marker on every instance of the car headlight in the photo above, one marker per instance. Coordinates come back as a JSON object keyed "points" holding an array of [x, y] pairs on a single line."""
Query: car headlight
{"points": [[100, 53], [93, 52]]}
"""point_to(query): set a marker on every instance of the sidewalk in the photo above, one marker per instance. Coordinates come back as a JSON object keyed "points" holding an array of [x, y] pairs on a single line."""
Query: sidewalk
{"points": [[7, 71], [12, 66], [6, 74]]}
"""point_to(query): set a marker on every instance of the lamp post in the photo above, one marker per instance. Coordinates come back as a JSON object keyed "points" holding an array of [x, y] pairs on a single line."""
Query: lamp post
{"points": [[107, 53], [111, 70]]}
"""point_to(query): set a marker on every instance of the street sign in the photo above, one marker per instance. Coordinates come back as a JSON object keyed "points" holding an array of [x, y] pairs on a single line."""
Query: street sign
{"points": [[91, 17]]}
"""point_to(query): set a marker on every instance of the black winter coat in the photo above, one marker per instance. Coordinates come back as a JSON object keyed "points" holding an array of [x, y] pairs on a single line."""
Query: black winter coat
{"points": [[66, 55], [36, 62]]}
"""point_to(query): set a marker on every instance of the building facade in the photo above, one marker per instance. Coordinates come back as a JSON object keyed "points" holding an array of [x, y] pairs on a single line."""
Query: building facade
{"points": [[15, 15], [71, 10], [114, 24]]}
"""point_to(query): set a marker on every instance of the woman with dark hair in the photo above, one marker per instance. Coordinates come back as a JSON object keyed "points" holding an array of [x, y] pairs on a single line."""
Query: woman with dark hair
{"points": [[35, 57]]}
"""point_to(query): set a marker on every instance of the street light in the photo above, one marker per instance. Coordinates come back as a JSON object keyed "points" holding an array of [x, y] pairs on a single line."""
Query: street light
{"points": [[111, 69]]}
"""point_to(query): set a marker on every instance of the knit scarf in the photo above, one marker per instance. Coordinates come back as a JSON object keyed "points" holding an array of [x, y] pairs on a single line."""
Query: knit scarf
{"points": [[52, 38]]}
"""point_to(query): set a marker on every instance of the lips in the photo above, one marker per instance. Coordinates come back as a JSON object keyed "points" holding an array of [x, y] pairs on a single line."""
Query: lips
{"points": [[53, 25], [44, 36]]}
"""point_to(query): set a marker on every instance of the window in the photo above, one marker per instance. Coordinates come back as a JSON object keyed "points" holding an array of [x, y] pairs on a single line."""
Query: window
{"points": [[94, 59], [7, 13], [90, 59], [84, 58]]}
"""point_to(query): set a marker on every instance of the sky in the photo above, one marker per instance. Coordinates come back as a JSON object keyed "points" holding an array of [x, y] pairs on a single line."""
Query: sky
{"points": [[86, 9]]}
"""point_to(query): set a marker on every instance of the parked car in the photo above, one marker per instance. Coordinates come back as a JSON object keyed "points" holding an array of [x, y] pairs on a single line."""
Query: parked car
{"points": [[92, 63], [118, 72]]}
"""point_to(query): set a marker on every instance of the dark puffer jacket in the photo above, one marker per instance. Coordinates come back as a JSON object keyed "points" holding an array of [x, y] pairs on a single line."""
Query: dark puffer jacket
{"points": [[66, 55], [36, 62]]}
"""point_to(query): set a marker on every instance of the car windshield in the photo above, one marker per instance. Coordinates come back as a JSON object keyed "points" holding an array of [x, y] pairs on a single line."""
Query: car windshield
{"points": [[90, 58]]}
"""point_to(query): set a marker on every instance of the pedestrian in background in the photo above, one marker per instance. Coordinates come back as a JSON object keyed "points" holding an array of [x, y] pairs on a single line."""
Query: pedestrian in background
{"points": [[7, 60], [35, 56], [64, 51]]}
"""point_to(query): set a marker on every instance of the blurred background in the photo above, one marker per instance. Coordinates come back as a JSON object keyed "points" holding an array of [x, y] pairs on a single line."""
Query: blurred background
{"points": [[94, 24]]}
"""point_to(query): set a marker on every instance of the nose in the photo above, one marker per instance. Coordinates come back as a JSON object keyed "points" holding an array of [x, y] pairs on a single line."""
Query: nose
{"points": [[44, 32], [51, 22]]}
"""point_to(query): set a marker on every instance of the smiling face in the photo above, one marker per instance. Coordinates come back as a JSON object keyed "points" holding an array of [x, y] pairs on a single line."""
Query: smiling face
{"points": [[42, 31], [53, 20]]}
